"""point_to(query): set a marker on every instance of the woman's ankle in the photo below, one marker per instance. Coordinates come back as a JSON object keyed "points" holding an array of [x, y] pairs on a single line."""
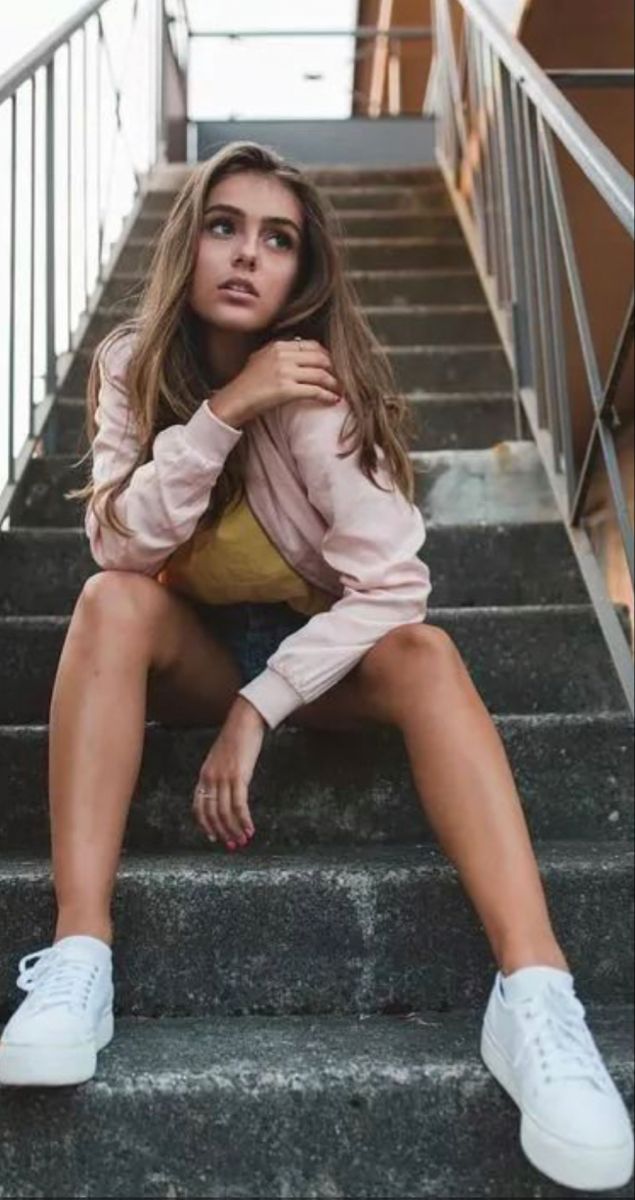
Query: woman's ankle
{"points": [[68, 926]]}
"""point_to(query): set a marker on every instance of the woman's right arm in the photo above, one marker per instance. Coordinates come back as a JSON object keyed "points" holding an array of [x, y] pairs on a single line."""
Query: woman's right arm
{"points": [[166, 497]]}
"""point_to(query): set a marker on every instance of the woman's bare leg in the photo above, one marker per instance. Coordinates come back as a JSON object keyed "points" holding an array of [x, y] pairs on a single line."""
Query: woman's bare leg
{"points": [[129, 640], [415, 678]]}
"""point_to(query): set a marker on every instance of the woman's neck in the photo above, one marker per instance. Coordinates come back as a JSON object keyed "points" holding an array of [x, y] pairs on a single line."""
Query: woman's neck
{"points": [[226, 353]]}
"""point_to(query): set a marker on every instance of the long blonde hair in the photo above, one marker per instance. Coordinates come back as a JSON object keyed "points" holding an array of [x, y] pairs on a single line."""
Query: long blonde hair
{"points": [[167, 377]]}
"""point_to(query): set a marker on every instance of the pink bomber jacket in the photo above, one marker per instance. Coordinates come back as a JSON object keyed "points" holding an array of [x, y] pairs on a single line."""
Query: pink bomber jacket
{"points": [[327, 519]]}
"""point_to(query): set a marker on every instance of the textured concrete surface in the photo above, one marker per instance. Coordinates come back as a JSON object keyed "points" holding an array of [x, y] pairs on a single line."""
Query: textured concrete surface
{"points": [[574, 774], [366, 1106], [534, 659], [326, 928]]}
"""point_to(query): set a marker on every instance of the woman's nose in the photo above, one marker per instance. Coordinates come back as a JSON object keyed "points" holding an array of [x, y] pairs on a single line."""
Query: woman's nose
{"points": [[246, 255]]}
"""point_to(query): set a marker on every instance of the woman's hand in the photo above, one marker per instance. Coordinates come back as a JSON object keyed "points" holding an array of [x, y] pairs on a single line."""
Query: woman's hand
{"points": [[226, 774], [280, 371]]}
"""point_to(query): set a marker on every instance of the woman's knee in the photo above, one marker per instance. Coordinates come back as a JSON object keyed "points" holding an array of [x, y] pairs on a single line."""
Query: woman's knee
{"points": [[407, 650], [126, 599]]}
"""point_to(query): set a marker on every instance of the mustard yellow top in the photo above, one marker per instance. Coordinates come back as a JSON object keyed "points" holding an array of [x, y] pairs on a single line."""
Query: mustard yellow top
{"points": [[235, 560]]}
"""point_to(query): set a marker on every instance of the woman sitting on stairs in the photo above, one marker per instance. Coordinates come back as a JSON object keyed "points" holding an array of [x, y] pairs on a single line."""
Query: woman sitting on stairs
{"points": [[255, 570]]}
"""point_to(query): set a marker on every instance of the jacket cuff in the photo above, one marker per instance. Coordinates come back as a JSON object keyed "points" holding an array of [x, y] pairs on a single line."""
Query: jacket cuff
{"points": [[274, 698], [207, 434]]}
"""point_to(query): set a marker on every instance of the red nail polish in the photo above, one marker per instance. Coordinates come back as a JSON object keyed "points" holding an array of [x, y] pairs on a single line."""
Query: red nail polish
{"points": [[231, 845]]}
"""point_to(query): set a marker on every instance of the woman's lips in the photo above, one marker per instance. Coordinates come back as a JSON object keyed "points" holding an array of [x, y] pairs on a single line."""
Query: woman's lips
{"points": [[236, 295]]}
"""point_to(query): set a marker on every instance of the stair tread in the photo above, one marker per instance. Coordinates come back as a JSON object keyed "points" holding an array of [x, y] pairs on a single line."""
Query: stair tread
{"points": [[423, 857], [365, 1049], [474, 612]]}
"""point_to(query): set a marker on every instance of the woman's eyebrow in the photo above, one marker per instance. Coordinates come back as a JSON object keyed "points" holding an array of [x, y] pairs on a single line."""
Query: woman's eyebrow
{"points": [[239, 212]]}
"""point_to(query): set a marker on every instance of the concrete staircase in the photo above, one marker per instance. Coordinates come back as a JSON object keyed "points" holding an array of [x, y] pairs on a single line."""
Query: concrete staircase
{"points": [[303, 1018]]}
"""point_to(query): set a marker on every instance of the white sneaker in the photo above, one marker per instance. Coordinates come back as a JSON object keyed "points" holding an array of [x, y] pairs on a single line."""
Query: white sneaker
{"points": [[575, 1127], [54, 1035]]}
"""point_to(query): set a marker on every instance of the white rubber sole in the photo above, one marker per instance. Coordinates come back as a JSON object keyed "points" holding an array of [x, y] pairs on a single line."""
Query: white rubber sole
{"points": [[567, 1163], [51, 1066]]}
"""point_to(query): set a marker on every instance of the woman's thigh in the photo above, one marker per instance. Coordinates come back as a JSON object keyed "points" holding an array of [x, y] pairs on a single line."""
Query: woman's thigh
{"points": [[198, 678]]}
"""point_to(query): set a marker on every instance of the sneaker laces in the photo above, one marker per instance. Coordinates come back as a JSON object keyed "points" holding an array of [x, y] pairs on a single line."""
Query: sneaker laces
{"points": [[565, 1043], [62, 979]]}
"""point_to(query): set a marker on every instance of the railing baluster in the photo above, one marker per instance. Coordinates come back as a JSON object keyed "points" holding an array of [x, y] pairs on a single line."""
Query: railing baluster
{"points": [[69, 193], [100, 224], [85, 165], [51, 360], [12, 222], [32, 430]]}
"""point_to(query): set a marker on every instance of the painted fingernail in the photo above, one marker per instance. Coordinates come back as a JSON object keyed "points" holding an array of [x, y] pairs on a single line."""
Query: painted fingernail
{"points": [[211, 838], [231, 845]]}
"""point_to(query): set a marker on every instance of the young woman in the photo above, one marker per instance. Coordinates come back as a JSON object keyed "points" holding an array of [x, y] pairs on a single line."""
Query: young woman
{"points": [[258, 569]]}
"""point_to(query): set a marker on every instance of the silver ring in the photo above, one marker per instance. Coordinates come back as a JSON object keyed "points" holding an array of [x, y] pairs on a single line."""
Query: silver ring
{"points": [[297, 338], [202, 792]]}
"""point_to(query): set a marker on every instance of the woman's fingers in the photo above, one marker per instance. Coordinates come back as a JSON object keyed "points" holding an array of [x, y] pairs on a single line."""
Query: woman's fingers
{"points": [[205, 810], [241, 807], [224, 812]]}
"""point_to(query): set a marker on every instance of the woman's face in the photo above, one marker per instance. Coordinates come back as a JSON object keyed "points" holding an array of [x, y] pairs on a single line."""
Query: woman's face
{"points": [[251, 244]]}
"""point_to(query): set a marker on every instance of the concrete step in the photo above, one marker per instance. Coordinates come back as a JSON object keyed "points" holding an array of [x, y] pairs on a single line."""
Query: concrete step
{"points": [[359, 253], [464, 368], [43, 570], [389, 175], [324, 929], [423, 197], [404, 325], [444, 421], [411, 285], [574, 773], [549, 658], [361, 222], [169, 177], [375, 1106], [505, 484]]}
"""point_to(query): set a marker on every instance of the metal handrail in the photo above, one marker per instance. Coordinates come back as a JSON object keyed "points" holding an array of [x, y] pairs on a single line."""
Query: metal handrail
{"points": [[93, 174], [516, 226], [26, 67]]}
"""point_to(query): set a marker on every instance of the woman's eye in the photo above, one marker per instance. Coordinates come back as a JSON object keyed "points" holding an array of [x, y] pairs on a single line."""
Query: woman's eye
{"points": [[223, 221]]}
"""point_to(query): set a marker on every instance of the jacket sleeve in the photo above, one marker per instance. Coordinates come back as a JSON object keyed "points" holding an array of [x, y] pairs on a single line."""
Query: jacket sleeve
{"points": [[166, 497], [372, 540]]}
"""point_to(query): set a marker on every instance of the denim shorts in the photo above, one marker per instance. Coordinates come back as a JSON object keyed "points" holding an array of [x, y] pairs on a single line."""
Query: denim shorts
{"points": [[253, 631]]}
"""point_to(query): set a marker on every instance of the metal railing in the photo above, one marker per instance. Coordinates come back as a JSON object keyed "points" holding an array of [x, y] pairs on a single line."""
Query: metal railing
{"points": [[83, 111], [80, 238], [498, 117]]}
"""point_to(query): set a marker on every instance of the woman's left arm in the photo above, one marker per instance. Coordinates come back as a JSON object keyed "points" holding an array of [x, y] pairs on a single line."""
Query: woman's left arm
{"points": [[372, 540]]}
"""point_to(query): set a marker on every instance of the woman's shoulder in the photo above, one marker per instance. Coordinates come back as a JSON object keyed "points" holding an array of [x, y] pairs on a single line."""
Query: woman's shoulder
{"points": [[310, 418]]}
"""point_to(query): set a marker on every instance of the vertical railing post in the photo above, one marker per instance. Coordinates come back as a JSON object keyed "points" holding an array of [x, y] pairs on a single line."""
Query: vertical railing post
{"points": [[11, 381], [51, 368], [159, 98]]}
